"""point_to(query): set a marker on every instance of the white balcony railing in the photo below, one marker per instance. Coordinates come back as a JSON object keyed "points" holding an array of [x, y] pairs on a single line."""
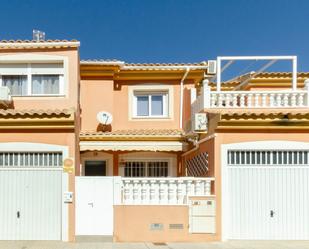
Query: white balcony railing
{"points": [[250, 99], [164, 191]]}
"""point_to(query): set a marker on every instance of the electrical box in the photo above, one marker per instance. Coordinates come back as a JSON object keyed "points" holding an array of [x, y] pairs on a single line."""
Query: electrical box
{"points": [[212, 67], [200, 122], [68, 197], [204, 207], [202, 216]]}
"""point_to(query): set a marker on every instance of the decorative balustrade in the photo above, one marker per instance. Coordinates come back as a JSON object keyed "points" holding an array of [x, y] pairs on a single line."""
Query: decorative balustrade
{"points": [[164, 191], [248, 99], [259, 99]]}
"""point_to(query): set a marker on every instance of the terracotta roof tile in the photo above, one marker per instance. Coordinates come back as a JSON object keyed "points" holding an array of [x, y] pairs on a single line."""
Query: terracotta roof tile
{"points": [[203, 63], [35, 112], [262, 114], [163, 66], [142, 66], [252, 111], [264, 75], [21, 44], [135, 133]]}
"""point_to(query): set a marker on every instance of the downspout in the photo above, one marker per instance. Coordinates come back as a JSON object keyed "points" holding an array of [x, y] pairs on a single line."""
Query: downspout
{"points": [[181, 96]]}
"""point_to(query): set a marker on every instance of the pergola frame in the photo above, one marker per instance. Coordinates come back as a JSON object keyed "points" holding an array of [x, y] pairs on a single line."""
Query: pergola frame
{"points": [[271, 59]]}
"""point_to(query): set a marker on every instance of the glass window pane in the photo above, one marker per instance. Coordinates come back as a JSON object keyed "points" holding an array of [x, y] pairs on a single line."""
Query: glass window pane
{"points": [[45, 84], [142, 106], [157, 105], [16, 83]]}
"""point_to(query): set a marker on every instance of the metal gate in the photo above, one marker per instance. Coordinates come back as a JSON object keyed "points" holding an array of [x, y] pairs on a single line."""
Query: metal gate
{"points": [[268, 192], [30, 196], [94, 205]]}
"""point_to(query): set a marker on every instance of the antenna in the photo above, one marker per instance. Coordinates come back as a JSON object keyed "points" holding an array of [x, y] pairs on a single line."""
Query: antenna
{"points": [[38, 35]]}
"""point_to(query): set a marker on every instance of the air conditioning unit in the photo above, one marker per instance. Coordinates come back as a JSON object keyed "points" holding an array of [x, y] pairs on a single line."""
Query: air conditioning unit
{"points": [[5, 94], [200, 122], [212, 67]]}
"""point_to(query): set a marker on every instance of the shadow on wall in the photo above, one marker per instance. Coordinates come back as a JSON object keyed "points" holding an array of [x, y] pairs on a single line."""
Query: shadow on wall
{"points": [[104, 128]]}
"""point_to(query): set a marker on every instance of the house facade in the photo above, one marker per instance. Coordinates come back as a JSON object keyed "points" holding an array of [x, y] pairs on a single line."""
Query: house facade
{"points": [[97, 147]]}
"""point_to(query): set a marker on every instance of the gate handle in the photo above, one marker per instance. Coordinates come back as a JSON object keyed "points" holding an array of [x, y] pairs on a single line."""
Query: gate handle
{"points": [[272, 213], [18, 214]]}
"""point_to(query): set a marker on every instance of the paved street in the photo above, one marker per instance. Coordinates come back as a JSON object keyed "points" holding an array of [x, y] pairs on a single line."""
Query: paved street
{"points": [[109, 245]]}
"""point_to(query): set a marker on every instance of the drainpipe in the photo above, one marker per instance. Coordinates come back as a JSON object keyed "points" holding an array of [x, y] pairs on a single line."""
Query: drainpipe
{"points": [[181, 96]]}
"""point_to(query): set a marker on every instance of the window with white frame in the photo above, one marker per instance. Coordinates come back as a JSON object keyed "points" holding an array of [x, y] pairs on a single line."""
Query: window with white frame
{"points": [[146, 169], [150, 104], [33, 79]]}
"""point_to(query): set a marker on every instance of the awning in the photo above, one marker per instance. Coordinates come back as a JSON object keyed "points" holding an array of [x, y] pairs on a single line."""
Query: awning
{"points": [[133, 146]]}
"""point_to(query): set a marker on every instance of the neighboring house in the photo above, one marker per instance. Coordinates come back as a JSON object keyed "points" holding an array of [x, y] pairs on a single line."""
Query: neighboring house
{"points": [[39, 127], [108, 148]]}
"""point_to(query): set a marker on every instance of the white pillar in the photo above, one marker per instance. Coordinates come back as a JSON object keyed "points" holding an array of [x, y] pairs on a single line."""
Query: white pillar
{"points": [[307, 92], [294, 74], [218, 74], [206, 94], [193, 95]]}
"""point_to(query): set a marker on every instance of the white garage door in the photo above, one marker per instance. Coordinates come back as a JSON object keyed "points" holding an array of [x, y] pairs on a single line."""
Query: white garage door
{"points": [[30, 196], [268, 194]]}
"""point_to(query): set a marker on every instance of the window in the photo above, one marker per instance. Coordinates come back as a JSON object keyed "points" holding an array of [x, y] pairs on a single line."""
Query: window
{"points": [[45, 84], [16, 83], [33, 79], [146, 169], [150, 104]]}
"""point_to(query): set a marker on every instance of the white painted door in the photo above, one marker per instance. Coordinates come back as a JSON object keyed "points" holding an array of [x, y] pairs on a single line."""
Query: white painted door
{"points": [[94, 205], [268, 195], [30, 204]]}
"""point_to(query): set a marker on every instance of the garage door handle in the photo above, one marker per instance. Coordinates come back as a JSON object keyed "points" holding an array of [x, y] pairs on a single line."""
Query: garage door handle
{"points": [[18, 214], [272, 213]]}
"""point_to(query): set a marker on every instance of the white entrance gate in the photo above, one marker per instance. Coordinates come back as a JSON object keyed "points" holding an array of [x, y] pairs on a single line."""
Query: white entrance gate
{"points": [[30, 195], [94, 205], [266, 191]]}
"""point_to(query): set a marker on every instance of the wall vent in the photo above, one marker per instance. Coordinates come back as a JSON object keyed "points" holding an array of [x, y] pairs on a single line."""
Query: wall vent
{"points": [[176, 226], [156, 226]]}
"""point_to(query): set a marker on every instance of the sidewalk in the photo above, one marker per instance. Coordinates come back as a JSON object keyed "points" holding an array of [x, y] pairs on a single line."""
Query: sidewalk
{"points": [[110, 245]]}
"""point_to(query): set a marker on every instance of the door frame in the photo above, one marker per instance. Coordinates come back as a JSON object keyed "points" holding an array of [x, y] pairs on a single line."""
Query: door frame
{"points": [[256, 145], [42, 147]]}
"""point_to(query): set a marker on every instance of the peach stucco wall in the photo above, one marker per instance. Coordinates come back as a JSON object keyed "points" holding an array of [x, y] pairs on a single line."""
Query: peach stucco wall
{"points": [[132, 224], [100, 95], [72, 94]]}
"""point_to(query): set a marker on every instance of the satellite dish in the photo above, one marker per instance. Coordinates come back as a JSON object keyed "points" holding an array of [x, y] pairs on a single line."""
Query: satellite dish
{"points": [[105, 118]]}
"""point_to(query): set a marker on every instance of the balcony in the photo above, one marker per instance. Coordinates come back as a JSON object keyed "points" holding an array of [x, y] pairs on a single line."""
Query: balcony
{"points": [[249, 99]]}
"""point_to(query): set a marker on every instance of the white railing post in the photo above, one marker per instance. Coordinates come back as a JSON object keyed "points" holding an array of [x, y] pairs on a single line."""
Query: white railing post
{"points": [[307, 92], [206, 94], [286, 100], [160, 191], [194, 106], [193, 95]]}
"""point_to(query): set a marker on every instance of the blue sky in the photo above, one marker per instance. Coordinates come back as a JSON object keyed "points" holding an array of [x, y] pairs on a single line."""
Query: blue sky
{"points": [[166, 30]]}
